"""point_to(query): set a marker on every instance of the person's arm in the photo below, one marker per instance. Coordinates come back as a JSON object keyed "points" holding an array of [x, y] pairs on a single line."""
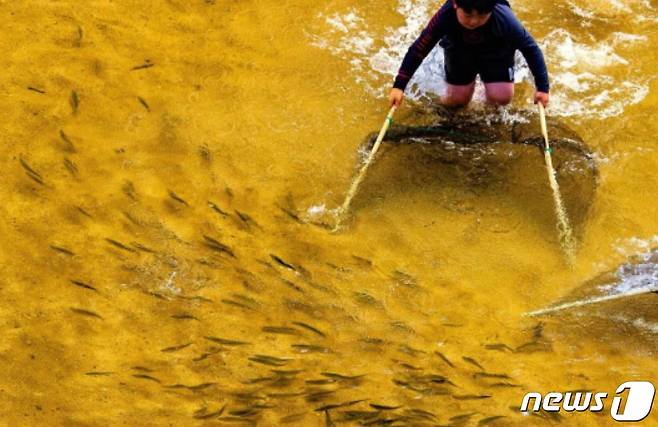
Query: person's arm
{"points": [[418, 51], [524, 42]]}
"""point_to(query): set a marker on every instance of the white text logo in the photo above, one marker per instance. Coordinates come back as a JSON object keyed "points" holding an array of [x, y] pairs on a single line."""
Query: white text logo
{"points": [[632, 401]]}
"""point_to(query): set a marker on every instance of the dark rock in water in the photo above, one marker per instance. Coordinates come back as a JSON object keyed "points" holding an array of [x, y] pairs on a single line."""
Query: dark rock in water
{"points": [[480, 142], [619, 304]]}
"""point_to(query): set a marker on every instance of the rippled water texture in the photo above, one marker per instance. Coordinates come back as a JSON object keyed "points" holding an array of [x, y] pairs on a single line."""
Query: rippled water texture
{"points": [[163, 168]]}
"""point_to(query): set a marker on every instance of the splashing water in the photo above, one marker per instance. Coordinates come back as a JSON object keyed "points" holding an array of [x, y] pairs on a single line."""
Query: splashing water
{"points": [[582, 74]]}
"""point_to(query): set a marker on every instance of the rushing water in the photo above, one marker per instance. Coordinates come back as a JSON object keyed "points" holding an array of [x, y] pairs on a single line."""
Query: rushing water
{"points": [[163, 164]]}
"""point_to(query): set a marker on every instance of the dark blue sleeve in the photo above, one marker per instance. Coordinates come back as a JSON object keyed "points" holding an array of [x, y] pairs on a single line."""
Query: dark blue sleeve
{"points": [[523, 41], [422, 47]]}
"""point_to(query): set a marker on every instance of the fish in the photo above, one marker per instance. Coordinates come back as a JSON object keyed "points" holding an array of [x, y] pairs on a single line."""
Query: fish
{"points": [[236, 303], [74, 100], [401, 326], [119, 245], [444, 358], [489, 420], [62, 250], [217, 246], [197, 387], [463, 418], [359, 415], [147, 377], [247, 220], [472, 362], [533, 346], [78, 41], [341, 377], [419, 413], [205, 154], [83, 285], [269, 360], [363, 262], [488, 375], [175, 348], [308, 348], [141, 247], [184, 316], [366, 299], [505, 384], [225, 341], [144, 103], [206, 355], [31, 172], [131, 218], [292, 285], [36, 89], [291, 214], [147, 64], [410, 367], [318, 395], [310, 328], [202, 414], [128, 189], [288, 372], [301, 306], [84, 312], [217, 209], [470, 396], [404, 348], [68, 144], [404, 278], [244, 412], [177, 198], [99, 373], [499, 347], [83, 212], [71, 166], [380, 407], [282, 263]]}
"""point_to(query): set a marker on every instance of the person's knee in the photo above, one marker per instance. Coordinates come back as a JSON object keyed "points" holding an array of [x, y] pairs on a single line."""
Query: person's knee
{"points": [[457, 100], [458, 95], [499, 93], [499, 99]]}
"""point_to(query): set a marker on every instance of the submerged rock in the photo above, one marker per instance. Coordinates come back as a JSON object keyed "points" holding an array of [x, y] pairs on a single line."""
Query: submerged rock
{"points": [[620, 302]]}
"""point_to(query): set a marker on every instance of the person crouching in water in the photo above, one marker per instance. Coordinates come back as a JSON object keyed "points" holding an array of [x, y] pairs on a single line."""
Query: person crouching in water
{"points": [[478, 37]]}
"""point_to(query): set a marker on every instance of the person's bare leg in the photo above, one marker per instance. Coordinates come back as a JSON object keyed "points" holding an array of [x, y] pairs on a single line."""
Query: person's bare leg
{"points": [[458, 95], [499, 93]]}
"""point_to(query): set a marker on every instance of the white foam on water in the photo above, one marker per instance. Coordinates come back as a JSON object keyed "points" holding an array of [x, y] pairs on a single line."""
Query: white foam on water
{"points": [[626, 39], [633, 245], [560, 46], [168, 285], [316, 210], [641, 323]]}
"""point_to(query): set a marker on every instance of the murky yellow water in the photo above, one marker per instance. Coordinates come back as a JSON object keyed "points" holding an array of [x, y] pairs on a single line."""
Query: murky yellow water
{"points": [[154, 158]]}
